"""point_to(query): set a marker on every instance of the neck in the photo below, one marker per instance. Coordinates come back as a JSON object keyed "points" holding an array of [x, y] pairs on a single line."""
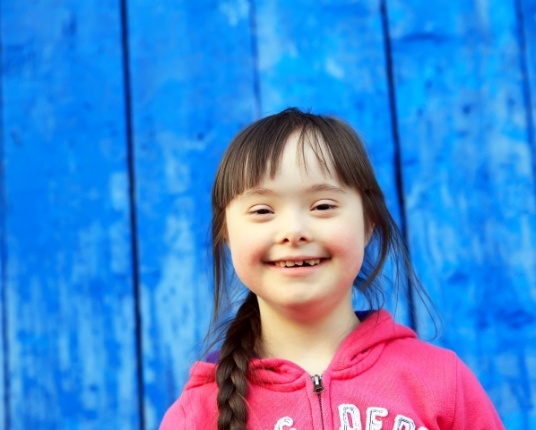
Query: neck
{"points": [[310, 343]]}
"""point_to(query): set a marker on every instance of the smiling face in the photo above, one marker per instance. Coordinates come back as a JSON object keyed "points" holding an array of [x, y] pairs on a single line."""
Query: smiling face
{"points": [[297, 240]]}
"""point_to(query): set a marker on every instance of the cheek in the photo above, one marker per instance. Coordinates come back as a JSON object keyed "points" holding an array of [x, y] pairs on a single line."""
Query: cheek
{"points": [[244, 267], [247, 243], [349, 244], [244, 255], [351, 248], [240, 253]]}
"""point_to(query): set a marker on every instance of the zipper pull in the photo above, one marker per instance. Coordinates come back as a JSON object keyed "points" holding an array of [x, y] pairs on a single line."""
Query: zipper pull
{"points": [[317, 383]]}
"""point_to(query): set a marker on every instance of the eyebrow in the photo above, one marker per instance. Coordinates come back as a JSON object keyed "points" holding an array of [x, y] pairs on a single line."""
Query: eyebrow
{"points": [[312, 189]]}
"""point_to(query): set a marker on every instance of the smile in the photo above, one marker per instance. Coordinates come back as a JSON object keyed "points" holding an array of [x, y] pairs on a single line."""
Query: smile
{"points": [[298, 263]]}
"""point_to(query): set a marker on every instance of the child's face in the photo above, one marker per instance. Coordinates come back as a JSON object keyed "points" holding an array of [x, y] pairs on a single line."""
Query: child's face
{"points": [[297, 240]]}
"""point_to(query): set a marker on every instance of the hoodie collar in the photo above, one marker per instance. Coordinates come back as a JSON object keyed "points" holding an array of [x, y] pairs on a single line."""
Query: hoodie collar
{"points": [[357, 353]]}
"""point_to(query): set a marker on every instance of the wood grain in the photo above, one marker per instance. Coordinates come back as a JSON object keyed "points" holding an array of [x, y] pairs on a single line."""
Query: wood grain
{"points": [[70, 341], [469, 185]]}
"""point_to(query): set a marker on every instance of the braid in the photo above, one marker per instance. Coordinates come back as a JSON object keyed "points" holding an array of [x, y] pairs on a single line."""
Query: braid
{"points": [[231, 374]]}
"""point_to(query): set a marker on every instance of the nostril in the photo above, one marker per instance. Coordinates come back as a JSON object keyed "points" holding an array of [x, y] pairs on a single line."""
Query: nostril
{"points": [[293, 237]]}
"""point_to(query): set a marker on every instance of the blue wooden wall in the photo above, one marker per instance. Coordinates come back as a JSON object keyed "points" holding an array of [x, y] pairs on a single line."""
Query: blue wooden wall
{"points": [[113, 117]]}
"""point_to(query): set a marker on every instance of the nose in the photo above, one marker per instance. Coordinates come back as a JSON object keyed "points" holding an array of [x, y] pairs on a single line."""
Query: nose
{"points": [[294, 229]]}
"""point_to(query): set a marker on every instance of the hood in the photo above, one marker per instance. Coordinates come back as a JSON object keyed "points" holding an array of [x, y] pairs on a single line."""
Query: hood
{"points": [[357, 353]]}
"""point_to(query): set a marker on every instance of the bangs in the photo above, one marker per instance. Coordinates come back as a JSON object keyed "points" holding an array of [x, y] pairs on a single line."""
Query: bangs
{"points": [[257, 151]]}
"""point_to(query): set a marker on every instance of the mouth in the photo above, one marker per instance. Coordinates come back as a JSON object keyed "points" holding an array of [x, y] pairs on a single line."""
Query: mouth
{"points": [[297, 263]]}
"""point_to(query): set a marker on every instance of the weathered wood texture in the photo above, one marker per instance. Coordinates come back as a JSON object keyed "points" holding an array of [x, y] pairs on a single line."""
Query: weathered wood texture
{"points": [[114, 115], [527, 41], [469, 185], [69, 313]]}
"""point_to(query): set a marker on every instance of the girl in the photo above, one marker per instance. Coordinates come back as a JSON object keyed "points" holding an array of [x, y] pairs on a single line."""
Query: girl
{"points": [[297, 206]]}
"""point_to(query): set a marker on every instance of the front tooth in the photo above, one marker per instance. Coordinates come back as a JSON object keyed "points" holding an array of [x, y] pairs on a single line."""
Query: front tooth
{"points": [[280, 263], [298, 263], [290, 263], [313, 262]]}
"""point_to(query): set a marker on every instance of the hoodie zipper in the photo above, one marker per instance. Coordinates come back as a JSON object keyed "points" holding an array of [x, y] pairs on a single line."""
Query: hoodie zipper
{"points": [[318, 388]]}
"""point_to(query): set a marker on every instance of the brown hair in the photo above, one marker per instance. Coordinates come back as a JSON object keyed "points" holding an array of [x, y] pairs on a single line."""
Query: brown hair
{"points": [[253, 153]]}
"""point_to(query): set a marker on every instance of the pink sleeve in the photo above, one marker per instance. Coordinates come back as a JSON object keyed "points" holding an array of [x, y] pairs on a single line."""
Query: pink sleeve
{"points": [[175, 417], [194, 409], [473, 409]]}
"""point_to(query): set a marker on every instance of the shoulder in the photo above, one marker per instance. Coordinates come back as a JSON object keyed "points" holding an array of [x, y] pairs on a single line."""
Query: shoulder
{"points": [[425, 367], [423, 355], [432, 365], [196, 407], [473, 406], [439, 375], [398, 347]]}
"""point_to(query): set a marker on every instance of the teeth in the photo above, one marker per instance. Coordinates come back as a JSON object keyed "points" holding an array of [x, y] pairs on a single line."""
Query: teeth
{"points": [[313, 262]]}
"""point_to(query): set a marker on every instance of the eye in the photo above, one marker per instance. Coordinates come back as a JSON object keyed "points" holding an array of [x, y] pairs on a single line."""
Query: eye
{"points": [[324, 206], [260, 210]]}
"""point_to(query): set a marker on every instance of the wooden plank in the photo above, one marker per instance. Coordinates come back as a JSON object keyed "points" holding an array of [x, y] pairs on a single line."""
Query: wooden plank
{"points": [[3, 340], [330, 57], [469, 186], [3, 262], [527, 15], [68, 280], [192, 90], [3, 255]]}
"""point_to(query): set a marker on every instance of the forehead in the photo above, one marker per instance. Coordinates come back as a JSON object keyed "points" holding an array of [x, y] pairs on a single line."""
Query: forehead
{"points": [[306, 153]]}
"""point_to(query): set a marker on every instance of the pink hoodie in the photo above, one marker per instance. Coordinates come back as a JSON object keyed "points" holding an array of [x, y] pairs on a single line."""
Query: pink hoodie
{"points": [[382, 377]]}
